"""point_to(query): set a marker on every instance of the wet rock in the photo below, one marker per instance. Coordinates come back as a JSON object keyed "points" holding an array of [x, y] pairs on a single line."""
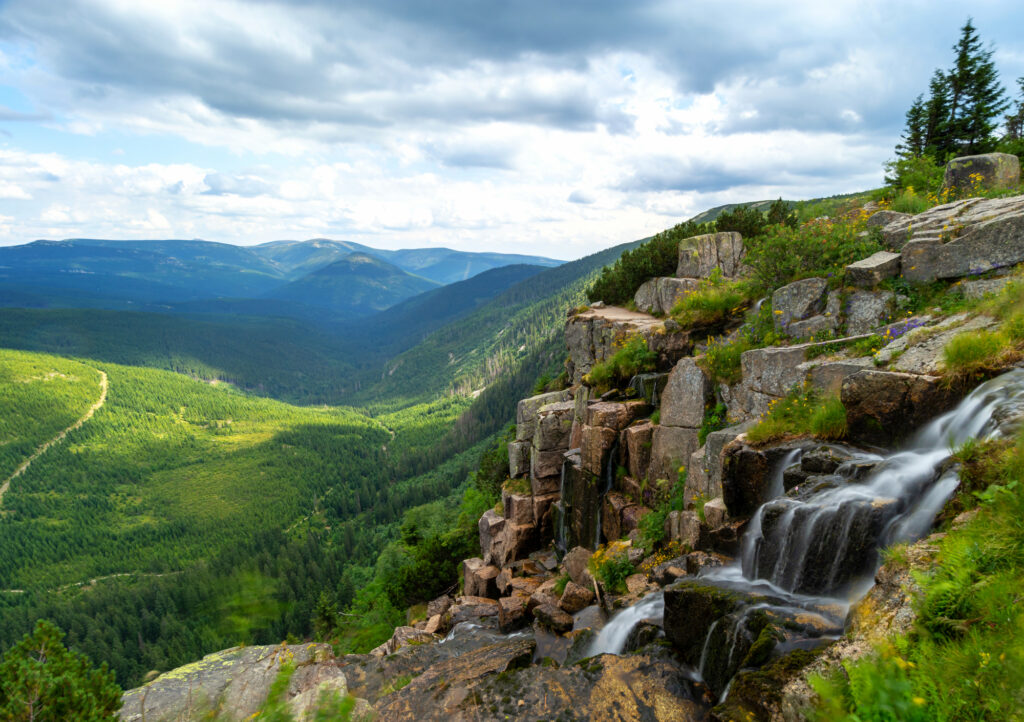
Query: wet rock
{"points": [[575, 598], [726, 539], [824, 459], [867, 310], [611, 514], [648, 387], [637, 440], [684, 528], [700, 255], [874, 269], [882, 406], [668, 571], [553, 618], [512, 613], [672, 447], [714, 446], [519, 458], [527, 410], [976, 172], [697, 561], [686, 395], [479, 579], [691, 609], [597, 445], [746, 479], [554, 422], [715, 512], [798, 300], [576, 562]]}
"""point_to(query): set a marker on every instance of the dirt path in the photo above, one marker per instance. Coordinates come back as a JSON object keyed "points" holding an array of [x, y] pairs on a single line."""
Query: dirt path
{"points": [[58, 438]]}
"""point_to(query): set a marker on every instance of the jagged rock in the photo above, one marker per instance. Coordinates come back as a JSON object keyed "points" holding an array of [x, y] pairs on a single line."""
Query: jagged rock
{"points": [[575, 598], [611, 514], [668, 571], [960, 239], [687, 393], [544, 594], [491, 526], [714, 445], [597, 444], [824, 459], [512, 613], [401, 637], [576, 566], [542, 513], [726, 538], [874, 269], [659, 295], [436, 624], [828, 377], [696, 561], [696, 475], [518, 507], [715, 512], [438, 692], [518, 540], [671, 448], [773, 370], [472, 609], [519, 458], [882, 406], [527, 409], [975, 172], [921, 352], [636, 440], [747, 476], [683, 527], [867, 310], [439, 606], [798, 300], [743, 402], [504, 581], [553, 618], [700, 255], [479, 579], [554, 423], [595, 335], [234, 681], [541, 486]]}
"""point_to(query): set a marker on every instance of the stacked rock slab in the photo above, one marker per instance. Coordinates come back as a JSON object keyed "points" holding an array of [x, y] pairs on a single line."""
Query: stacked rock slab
{"points": [[674, 439], [698, 257]]}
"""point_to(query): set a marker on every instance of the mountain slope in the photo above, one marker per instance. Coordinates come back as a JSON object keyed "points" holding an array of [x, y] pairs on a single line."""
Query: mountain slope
{"points": [[359, 283]]}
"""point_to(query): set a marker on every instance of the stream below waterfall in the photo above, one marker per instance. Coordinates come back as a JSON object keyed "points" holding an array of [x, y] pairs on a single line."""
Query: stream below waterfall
{"points": [[812, 551]]}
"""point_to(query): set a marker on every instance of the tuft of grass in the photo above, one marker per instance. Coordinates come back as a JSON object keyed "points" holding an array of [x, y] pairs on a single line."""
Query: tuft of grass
{"points": [[715, 418], [560, 584], [632, 358], [721, 359], [803, 411], [975, 354], [714, 301], [910, 202]]}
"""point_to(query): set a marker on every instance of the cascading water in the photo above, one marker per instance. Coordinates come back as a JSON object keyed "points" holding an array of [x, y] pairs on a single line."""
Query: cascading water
{"points": [[562, 510], [815, 549], [609, 482]]}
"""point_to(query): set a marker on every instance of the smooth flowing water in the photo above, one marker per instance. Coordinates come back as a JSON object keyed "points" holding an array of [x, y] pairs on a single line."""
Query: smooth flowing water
{"points": [[815, 548]]}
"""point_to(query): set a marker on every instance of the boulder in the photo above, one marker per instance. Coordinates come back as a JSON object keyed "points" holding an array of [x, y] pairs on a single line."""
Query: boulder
{"points": [[576, 566], [518, 540], [439, 606], [554, 422], [748, 476], [697, 561], [512, 613], [867, 310], [798, 300], [491, 526], [683, 527], [519, 458], [983, 287], [597, 445], [883, 407], [527, 409], [672, 447], [646, 297], [773, 370], [575, 598], [828, 377], [686, 395], [542, 512], [504, 581], [976, 172], [659, 295], [874, 269], [636, 440], [596, 334], [541, 486], [553, 618], [472, 609], [922, 353], [631, 517], [714, 445], [715, 512], [479, 579], [544, 594], [696, 476], [611, 514], [614, 415], [700, 255], [884, 218]]}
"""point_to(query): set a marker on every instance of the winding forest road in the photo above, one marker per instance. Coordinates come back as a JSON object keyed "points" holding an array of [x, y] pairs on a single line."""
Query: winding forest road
{"points": [[58, 438]]}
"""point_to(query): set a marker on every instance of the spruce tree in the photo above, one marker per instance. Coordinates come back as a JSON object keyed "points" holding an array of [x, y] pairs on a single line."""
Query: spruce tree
{"points": [[976, 98], [937, 117], [1014, 122], [915, 136]]}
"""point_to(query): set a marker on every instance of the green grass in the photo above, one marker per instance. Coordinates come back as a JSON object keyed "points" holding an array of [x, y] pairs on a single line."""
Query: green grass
{"points": [[632, 358], [803, 411], [714, 301]]}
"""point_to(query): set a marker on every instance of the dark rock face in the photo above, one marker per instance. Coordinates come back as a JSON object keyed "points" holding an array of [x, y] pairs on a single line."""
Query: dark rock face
{"points": [[553, 618], [882, 407], [748, 476]]}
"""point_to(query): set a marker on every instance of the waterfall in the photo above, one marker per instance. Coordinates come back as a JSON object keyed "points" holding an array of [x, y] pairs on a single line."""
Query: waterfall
{"points": [[612, 638], [561, 538], [609, 483]]}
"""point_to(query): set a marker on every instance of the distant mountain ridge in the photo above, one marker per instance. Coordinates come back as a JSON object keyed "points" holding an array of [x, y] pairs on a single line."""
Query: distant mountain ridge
{"points": [[343, 279]]}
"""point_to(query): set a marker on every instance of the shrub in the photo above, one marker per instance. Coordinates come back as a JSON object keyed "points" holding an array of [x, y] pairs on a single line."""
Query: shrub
{"points": [[610, 564], [975, 353], [909, 202], [631, 359], [560, 584], [652, 525], [712, 302], [659, 256], [822, 247], [922, 173], [715, 418]]}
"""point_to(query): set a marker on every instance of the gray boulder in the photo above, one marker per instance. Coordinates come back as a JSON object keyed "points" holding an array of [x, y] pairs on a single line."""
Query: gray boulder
{"points": [[527, 409], [687, 393], [884, 218], [799, 300], [554, 422], [975, 172], [874, 269], [700, 255], [867, 310]]}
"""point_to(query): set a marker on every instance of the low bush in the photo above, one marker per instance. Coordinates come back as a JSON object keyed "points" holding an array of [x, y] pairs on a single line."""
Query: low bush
{"points": [[652, 525], [631, 359], [715, 418], [714, 301], [910, 202], [974, 354], [610, 565]]}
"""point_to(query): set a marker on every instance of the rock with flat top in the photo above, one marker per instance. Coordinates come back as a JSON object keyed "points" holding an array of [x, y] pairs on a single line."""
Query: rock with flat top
{"points": [[874, 269], [685, 397], [700, 255], [797, 301], [977, 172]]}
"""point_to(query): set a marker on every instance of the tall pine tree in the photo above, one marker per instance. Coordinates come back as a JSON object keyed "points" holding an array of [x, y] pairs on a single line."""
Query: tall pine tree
{"points": [[1014, 122]]}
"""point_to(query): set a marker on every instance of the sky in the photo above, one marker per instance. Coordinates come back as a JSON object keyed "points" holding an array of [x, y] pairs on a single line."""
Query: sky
{"points": [[520, 126]]}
